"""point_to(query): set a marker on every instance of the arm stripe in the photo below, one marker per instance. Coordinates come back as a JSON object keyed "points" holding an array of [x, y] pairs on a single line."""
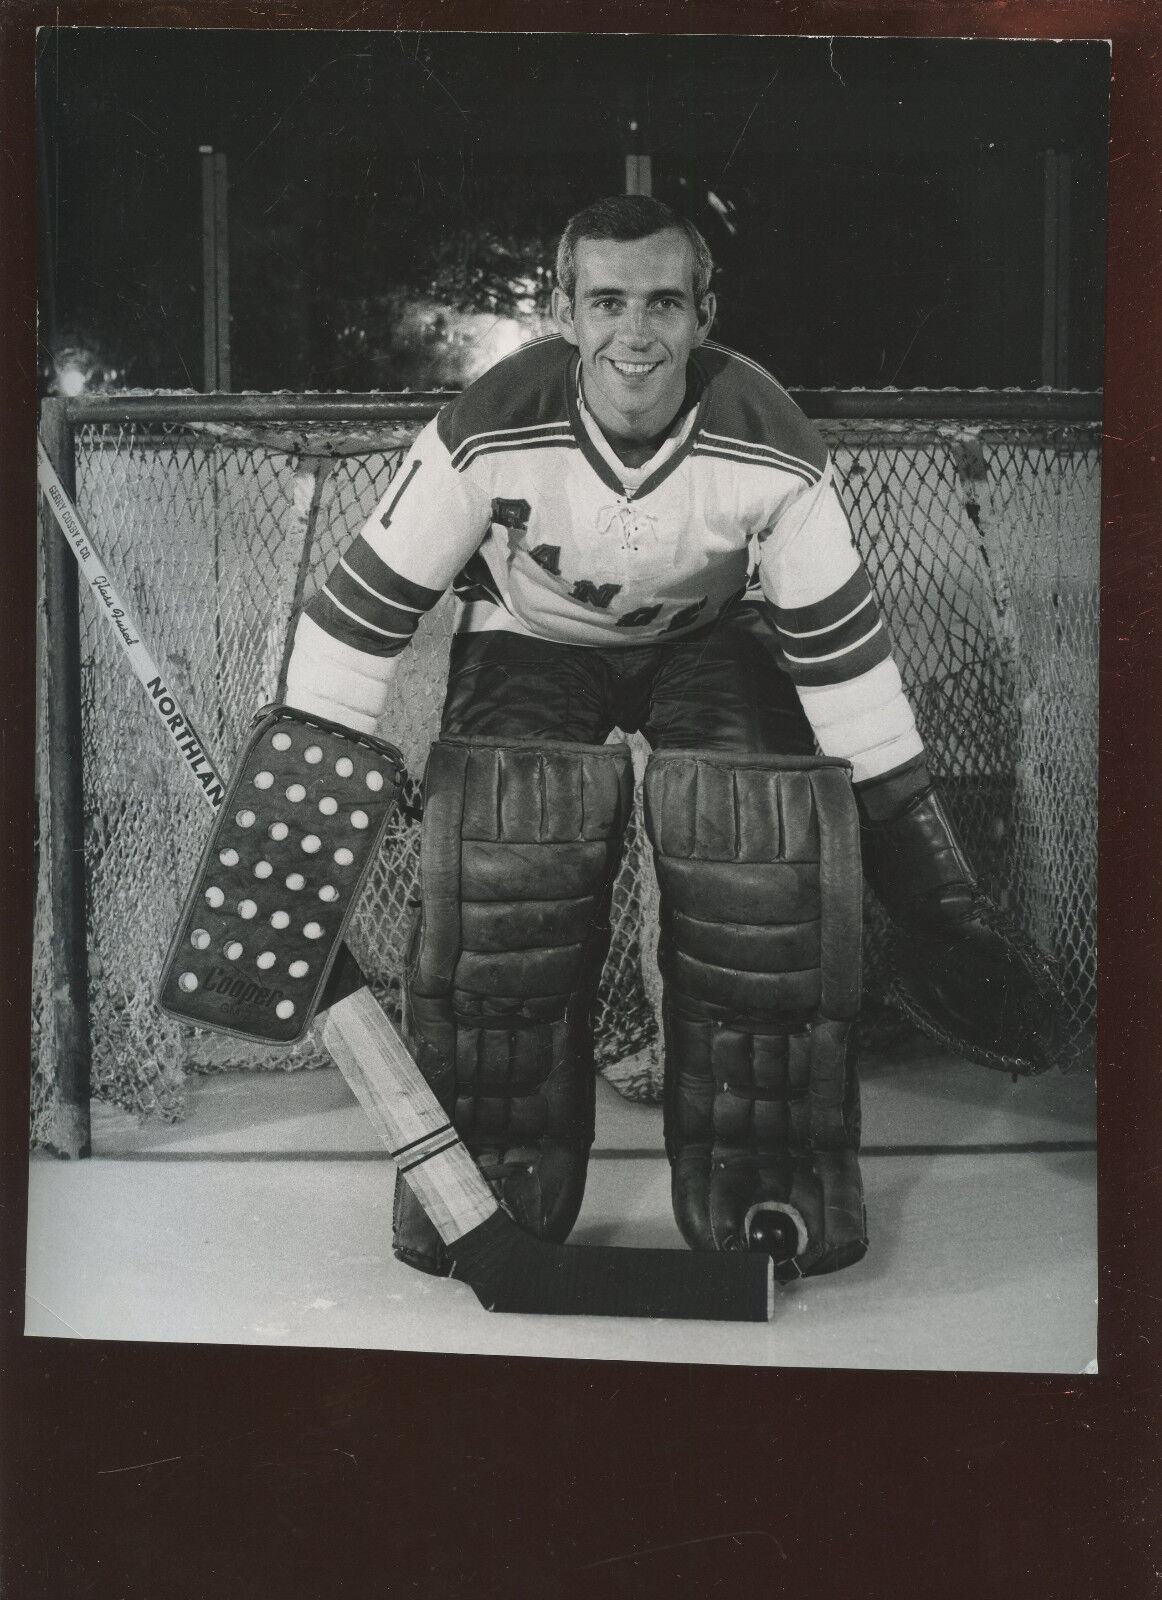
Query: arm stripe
{"points": [[812, 633], [834, 655], [511, 433], [513, 436], [809, 475], [326, 615], [824, 613], [386, 599], [387, 633], [491, 447], [818, 675], [474, 581], [346, 592], [374, 573], [830, 642], [763, 451]]}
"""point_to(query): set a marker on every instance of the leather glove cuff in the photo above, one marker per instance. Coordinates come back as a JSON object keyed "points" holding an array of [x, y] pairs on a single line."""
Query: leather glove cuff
{"points": [[915, 864], [886, 796]]}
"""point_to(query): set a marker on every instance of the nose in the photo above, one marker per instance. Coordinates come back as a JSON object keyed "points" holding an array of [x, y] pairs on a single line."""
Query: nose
{"points": [[634, 326]]}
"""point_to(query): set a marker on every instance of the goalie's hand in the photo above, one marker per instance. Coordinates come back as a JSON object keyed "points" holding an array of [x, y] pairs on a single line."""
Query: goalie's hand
{"points": [[961, 970]]}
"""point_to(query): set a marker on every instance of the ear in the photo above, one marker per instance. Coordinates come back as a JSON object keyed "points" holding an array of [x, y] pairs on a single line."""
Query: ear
{"points": [[706, 314], [563, 316]]}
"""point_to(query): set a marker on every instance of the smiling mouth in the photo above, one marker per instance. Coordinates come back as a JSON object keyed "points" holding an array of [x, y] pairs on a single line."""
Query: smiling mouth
{"points": [[634, 369]]}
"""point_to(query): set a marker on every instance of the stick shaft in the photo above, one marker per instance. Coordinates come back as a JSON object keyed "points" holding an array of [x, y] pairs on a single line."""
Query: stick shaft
{"points": [[180, 730], [405, 1113]]}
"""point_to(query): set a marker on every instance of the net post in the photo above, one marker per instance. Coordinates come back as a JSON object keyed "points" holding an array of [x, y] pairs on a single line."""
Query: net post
{"points": [[66, 817]]}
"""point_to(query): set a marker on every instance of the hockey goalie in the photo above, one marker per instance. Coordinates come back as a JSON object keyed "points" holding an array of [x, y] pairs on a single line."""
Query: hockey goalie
{"points": [[643, 534]]}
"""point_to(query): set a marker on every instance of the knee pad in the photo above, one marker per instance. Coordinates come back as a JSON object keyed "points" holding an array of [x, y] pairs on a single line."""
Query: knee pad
{"points": [[518, 855], [759, 872]]}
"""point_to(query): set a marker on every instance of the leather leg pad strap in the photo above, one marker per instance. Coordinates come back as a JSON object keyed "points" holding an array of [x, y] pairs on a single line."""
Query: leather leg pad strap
{"points": [[520, 847], [759, 871]]}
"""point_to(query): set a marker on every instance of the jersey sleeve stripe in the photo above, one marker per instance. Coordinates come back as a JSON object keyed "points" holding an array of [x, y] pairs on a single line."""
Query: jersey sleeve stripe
{"points": [[828, 642], [374, 574], [342, 624], [375, 594], [828, 612], [850, 663], [378, 620], [379, 616], [375, 627], [852, 637], [513, 437], [770, 452], [834, 639], [808, 474], [487, 447], [799, 634]]}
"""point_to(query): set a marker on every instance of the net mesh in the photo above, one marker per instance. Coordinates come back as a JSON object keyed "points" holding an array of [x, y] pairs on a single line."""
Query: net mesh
{"points": [[982, 542]]}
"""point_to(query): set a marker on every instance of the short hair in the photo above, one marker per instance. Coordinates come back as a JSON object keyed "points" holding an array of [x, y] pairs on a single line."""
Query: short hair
{"points": [[625, 217]]}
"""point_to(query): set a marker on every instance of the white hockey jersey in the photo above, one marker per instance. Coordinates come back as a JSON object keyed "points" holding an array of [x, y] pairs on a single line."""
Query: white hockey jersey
{"points": [[513, 496]]}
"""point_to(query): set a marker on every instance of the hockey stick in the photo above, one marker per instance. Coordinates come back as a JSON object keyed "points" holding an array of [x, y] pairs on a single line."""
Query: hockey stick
{"points": [[507, 1269]]}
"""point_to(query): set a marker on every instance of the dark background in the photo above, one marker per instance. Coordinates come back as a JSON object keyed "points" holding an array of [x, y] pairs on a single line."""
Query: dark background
{"points": [[138, 1472], [876, 206]]}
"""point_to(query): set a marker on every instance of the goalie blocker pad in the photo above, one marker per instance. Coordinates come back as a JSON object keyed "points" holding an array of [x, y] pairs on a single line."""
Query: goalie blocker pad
{"points": [[295, 837], [759, 872]]}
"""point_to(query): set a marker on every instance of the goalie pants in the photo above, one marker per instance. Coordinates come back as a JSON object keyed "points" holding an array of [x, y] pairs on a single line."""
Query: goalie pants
{"points": [[722, 691], [719, 689]]}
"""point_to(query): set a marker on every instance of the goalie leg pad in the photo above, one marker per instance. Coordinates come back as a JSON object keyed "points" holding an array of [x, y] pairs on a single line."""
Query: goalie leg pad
{"points": [[520, 848], [758, 868]]}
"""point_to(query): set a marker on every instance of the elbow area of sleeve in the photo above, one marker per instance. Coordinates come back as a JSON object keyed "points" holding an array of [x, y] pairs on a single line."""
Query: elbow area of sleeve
{"points": [[866, 720]]}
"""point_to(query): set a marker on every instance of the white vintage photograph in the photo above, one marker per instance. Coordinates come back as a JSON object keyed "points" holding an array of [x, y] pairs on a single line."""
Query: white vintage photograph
{"points": [[568, 695]]}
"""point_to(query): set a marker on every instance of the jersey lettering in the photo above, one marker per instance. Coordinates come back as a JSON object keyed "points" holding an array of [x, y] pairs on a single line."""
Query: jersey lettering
{"points": [[512, 514], [638, 618], [549, 557], [593, 594], [683, 618]]}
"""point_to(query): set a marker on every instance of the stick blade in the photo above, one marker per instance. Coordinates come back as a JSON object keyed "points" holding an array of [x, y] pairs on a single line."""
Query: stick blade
{"points": [[509, 1270]]}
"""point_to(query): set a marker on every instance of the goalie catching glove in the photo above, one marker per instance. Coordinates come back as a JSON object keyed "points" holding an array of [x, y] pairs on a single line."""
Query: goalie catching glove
{"points": [[961, 971]]}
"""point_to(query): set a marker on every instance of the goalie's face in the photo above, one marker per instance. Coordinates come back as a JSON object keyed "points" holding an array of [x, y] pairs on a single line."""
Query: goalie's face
{"points": [[634, 320]]}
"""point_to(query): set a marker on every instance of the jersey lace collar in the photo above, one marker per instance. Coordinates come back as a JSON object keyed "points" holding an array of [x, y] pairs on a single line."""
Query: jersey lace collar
{"points": [[632, 482]]}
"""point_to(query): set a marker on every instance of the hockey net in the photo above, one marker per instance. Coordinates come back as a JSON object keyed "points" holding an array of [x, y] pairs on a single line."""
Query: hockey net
{"points": [[981, 536]]}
